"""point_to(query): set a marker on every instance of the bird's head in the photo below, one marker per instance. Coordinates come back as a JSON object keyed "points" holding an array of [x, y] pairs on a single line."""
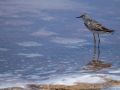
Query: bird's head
{"points": [[84, 16]]}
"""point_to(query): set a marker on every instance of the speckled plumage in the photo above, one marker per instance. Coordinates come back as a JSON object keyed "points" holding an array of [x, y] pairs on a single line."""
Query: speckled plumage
{"points": [[94, 26]]}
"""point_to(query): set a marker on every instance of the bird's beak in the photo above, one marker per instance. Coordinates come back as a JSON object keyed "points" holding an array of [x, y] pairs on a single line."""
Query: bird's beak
{"points": [[80, 16]]}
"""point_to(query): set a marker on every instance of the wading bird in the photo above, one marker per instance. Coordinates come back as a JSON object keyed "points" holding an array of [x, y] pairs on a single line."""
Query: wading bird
{"points": [[96, 28]]}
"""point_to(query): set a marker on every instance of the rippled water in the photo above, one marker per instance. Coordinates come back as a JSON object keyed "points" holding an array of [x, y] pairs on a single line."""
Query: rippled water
{"points": [[42, 39]]}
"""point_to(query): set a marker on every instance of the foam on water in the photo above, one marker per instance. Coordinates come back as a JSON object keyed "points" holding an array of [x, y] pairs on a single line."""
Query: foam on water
{"points": [[117, 71], [79, 78], [71, 79], [15, 84], [113, 88]]}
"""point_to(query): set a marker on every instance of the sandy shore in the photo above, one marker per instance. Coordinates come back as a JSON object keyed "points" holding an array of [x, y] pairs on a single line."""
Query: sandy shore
{"points": [[77, 86]]}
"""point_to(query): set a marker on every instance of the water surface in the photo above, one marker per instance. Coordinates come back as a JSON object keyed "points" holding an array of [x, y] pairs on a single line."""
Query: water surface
{"points": [[42, 39]]}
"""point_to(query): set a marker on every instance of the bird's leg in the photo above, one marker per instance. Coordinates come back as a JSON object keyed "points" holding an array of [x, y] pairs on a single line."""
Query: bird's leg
{"points": [[94, 56], [98, 46]]}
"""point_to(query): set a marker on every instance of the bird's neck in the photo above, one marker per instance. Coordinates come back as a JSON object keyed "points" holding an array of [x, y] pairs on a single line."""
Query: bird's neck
{"points": [[86, 20]]}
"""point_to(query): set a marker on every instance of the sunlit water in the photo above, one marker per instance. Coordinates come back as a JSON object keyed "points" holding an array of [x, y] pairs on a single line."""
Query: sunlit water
{"points": [[42, 39]]}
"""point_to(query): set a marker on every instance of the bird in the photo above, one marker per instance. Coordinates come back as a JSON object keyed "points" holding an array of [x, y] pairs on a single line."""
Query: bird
{"points": [[96, 28]]}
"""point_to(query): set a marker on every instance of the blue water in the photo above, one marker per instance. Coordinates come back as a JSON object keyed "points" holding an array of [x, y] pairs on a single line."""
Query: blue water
{"points": [[42, 38]]}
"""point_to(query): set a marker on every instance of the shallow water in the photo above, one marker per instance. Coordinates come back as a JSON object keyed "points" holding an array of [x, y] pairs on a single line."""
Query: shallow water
{"points": [[42, 39]]}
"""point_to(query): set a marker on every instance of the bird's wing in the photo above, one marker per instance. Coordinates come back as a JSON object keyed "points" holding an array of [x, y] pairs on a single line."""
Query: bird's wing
{"points": [[99, 27]]}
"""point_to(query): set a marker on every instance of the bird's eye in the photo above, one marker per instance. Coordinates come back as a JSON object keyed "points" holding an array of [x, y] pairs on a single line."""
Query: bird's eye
{"points": [[83, 15]]}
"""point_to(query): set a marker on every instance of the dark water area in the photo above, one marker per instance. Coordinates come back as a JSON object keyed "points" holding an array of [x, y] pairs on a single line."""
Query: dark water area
{"points": [[41, 39]]}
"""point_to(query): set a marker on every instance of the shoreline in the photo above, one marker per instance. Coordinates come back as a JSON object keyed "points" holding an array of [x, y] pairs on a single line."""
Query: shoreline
{"points": [[77, 86], [80, 81]]}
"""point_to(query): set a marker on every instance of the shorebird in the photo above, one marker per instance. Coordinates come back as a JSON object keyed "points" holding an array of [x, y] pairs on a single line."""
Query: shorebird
{"points": [[96, 28]]}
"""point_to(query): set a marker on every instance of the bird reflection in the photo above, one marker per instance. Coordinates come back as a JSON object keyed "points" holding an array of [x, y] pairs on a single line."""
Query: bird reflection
{"points": [[96, 54]]}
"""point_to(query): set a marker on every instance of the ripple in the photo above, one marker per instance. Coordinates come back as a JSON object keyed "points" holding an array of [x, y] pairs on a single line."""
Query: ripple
{"points": [[29, 44], [70, 42], [30, 55], [43, 33], [4, 49]]}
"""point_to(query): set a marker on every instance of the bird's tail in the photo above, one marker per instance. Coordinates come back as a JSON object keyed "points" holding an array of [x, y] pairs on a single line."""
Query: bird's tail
{"points": [[108, 30], [111, 32]]}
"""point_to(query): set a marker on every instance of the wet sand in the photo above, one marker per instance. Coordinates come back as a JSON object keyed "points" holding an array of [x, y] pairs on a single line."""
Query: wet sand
{"points": [[77, 86]]}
